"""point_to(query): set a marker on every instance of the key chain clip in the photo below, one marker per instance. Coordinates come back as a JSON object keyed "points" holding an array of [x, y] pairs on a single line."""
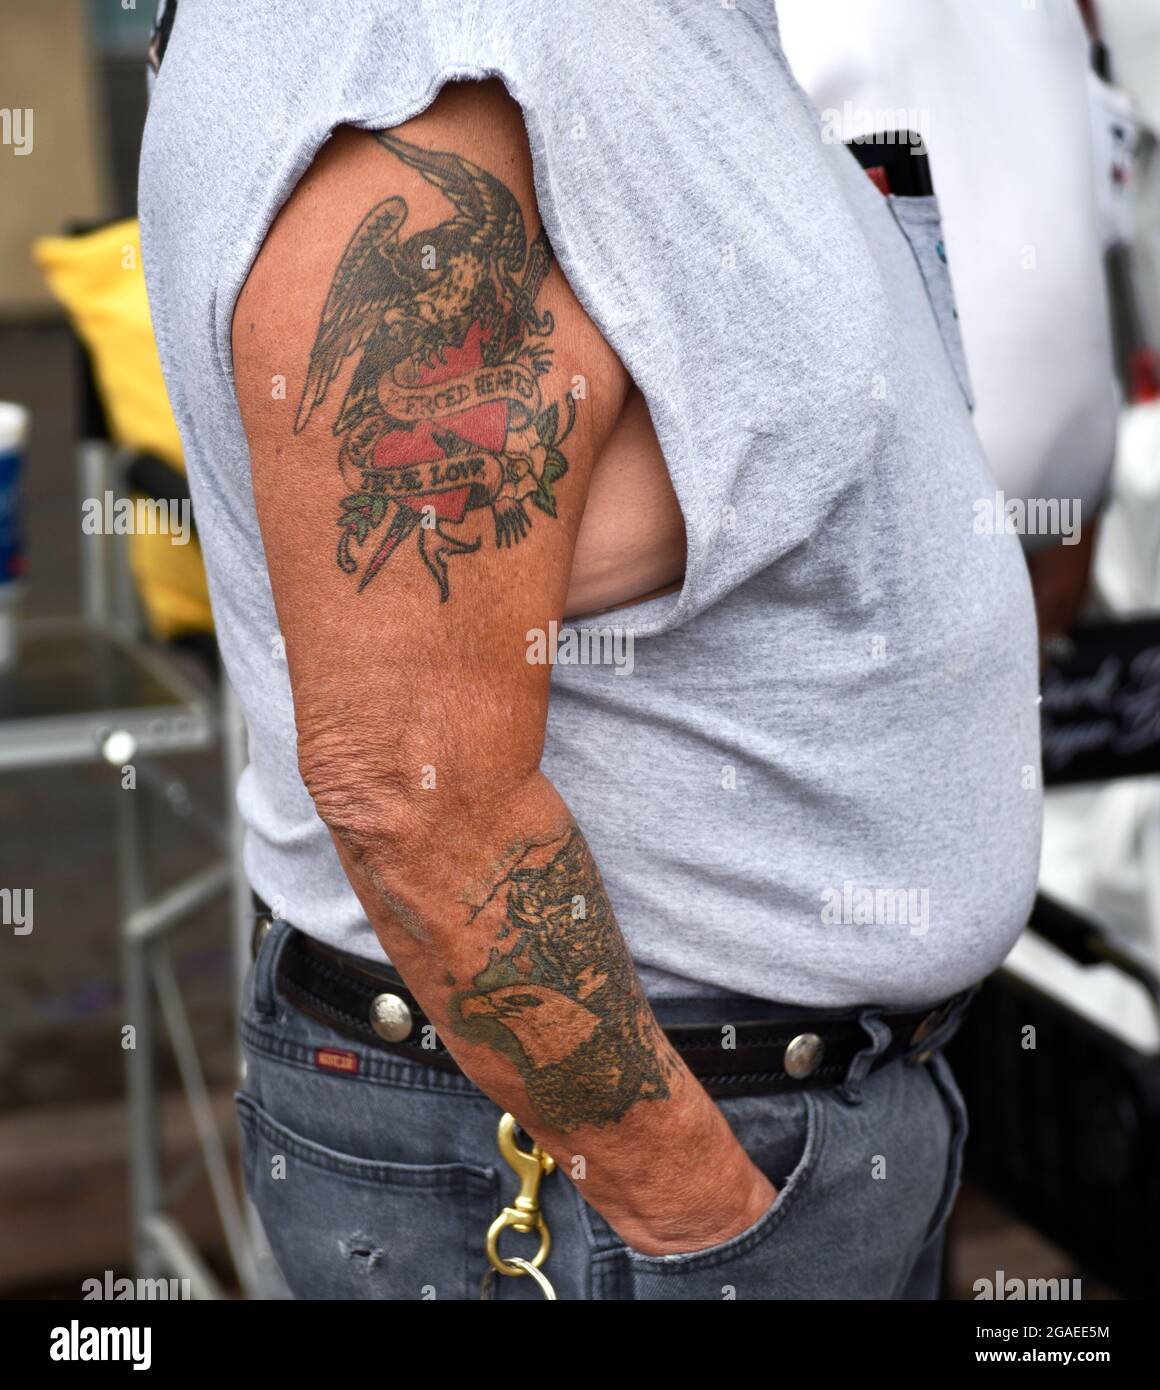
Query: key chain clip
{"points": [[524, 1214]]}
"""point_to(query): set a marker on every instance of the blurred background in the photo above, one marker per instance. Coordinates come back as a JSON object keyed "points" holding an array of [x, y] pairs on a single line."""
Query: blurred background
{"points": [[73, 312], [124, 920]]}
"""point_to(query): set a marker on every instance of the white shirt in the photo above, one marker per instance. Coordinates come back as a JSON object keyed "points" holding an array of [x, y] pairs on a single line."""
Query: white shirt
{"points": [[1002, 97]]}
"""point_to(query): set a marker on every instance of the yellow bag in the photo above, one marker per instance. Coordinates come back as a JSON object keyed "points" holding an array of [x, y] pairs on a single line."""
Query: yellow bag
{"points": [[98, 279]]}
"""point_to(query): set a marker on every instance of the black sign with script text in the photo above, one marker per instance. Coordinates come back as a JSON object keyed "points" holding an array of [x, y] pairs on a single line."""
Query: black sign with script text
{"points": [[1101, 704]]}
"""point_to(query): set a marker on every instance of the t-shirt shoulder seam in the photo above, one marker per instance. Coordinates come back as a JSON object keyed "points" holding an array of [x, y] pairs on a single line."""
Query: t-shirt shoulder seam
{"points": [[235, 232]]}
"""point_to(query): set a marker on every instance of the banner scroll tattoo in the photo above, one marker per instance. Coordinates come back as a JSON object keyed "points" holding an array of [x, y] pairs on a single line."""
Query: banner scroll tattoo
{"points": [[512, 384]]}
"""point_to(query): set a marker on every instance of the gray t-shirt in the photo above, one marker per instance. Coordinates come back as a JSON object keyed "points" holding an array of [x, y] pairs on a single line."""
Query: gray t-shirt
{"points": [[820, 782]]}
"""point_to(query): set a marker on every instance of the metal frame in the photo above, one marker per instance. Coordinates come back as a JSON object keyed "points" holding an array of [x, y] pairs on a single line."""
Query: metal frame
{"points": [[152, 998], [161, 1247]]}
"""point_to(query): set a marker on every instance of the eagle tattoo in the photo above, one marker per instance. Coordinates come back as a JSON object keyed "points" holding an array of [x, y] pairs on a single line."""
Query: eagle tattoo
{"points": [[559, 995], [442, 415]]}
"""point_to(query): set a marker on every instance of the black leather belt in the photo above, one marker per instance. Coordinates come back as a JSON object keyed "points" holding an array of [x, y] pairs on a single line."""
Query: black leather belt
{"points": [[787, 1050]]}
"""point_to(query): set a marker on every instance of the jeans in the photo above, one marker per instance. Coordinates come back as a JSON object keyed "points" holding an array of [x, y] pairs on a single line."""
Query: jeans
{"points": [[375, 1177]]}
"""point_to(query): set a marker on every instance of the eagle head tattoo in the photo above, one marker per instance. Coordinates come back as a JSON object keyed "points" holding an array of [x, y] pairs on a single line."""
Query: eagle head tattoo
{"points": [[560, 996], [443, 414]]}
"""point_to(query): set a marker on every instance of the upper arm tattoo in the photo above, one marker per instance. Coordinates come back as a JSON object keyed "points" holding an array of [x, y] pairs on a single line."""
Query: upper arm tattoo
{"points": [[443, 415]]}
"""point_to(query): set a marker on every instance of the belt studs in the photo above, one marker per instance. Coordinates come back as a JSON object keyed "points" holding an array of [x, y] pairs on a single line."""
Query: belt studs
{"points": [[261, 930], [803, 1056], [390, 1017], [923, 1031], [928, 1025]]}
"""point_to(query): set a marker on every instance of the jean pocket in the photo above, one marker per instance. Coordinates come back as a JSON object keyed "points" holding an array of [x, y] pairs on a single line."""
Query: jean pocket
{"points": [[342, 1227], [755, 1263], [940, 1073], [920, 221]]}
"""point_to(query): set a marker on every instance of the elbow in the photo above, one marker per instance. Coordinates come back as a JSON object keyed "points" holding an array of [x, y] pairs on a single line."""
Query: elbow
{"points": [[392, 797], [375, 804]]}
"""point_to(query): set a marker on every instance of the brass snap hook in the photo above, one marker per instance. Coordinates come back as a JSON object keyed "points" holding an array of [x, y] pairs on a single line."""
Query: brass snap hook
{"points": [[524, 1214]]}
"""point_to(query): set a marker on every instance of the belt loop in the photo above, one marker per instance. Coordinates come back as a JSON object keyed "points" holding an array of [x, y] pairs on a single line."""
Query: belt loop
{"points": [[268, 949], [880, 1035]]}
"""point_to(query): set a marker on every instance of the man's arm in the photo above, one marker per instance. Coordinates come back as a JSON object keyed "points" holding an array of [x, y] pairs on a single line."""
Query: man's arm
{"points": [[419, 492]]}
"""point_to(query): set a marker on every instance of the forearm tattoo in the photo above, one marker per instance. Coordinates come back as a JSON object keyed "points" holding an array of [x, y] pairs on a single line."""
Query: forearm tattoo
{"points": [[559, 995], [443, 416]]}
